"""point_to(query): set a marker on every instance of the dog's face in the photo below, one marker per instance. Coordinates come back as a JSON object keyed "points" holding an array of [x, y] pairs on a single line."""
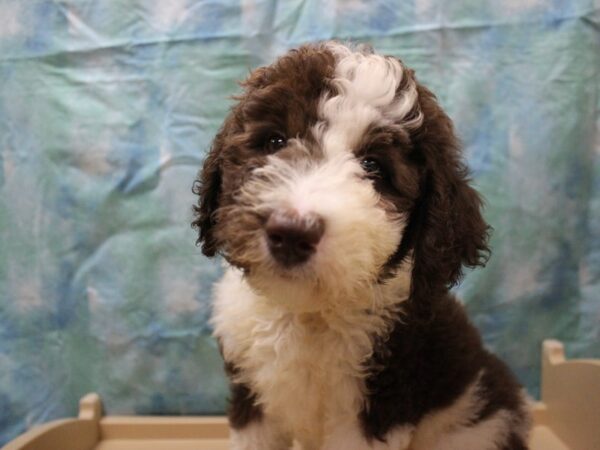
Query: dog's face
{"points": [[335, 171]]}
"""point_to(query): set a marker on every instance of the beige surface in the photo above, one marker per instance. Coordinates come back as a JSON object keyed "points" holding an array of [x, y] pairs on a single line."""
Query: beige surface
{"points": [[163, 444], [571, 398], [70, 434], [543, 438], [568, 418]]}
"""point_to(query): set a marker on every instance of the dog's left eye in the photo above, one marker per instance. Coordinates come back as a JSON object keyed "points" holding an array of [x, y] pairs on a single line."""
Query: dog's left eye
{"points": [[371, 167], [275, 142]]}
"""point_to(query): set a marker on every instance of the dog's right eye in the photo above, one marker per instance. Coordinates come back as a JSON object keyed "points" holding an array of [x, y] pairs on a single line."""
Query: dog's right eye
{"points": [[275, 142]]}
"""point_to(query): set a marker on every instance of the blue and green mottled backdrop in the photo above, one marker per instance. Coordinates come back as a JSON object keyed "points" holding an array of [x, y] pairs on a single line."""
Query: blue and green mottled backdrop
{"points": [[106, 111]]}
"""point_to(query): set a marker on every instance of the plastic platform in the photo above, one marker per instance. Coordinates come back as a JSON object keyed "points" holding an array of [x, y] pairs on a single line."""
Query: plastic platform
{"points": [[567, 418]]}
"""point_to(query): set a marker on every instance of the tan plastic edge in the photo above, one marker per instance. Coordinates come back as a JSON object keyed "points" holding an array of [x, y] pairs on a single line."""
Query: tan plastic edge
{"points": [[567, 418], [90, 407], [570, 394], [127, 427], [67, 434]]}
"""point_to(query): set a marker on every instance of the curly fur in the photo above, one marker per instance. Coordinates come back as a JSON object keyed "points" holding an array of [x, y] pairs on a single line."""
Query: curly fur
{"points": [[362, 346]]}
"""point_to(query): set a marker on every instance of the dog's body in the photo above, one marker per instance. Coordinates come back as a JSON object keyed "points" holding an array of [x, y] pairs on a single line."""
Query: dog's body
{"points": [[336, 193]]}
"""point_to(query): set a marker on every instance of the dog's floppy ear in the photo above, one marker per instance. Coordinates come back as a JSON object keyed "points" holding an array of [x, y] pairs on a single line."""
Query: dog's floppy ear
{"points": [[208, 187], [451, 231]]}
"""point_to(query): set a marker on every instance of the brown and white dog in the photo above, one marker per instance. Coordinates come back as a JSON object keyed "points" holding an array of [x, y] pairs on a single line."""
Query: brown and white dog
{"points": [[336, 193]]}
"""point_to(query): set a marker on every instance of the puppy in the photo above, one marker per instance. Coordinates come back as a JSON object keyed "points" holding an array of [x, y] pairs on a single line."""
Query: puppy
{"points": [[336, 193]]}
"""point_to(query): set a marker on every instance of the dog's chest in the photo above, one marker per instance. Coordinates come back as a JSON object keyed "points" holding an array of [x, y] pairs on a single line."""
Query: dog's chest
{"points": [[307, 372], [311, 376]]}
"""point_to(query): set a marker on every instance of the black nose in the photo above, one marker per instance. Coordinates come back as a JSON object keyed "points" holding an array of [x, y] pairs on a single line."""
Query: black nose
{"points": [[293, 238]]}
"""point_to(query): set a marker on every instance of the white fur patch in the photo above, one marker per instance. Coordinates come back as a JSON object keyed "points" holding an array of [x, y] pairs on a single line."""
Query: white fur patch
{"points": [[306, 368], [442, 422], [262, 435], [350, 437], [367, 86], [359, 235], [485, 435], [451, 428]]}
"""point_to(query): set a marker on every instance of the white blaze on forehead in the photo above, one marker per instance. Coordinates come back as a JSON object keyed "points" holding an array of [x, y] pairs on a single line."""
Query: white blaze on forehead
{"points": [[366, 87]]}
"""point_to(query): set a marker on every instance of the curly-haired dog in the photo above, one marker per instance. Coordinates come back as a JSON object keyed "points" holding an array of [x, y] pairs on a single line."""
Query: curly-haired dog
{"points": [[336, 193]]}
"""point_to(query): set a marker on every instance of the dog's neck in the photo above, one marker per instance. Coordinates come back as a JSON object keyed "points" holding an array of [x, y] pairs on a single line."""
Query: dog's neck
{"points": [[319, 305]]}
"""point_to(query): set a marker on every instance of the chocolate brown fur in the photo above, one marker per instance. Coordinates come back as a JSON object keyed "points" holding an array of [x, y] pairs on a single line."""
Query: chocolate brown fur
{"points": [[291, 89], [432, 352]]}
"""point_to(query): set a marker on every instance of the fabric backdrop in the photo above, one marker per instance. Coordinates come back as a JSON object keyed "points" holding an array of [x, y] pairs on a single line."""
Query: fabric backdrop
{"points": [[107, 109]]}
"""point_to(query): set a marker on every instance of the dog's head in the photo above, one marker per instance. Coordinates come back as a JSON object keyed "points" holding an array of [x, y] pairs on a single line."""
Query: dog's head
{"points": [[335, 171]]}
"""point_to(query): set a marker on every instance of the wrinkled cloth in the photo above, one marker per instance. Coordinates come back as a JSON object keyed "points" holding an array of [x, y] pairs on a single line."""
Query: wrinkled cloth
{"points": [[108, 108]]}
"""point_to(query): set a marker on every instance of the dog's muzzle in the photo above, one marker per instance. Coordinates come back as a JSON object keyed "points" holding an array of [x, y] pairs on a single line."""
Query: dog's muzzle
{"points": [[292, 237]]}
